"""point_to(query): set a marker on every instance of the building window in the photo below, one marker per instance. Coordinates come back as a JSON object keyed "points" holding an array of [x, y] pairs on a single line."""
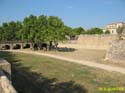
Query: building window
{"points": [[112, 31]]}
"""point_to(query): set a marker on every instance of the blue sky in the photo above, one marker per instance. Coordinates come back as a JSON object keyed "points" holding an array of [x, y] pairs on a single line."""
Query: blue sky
{"points": [[74, 13]]}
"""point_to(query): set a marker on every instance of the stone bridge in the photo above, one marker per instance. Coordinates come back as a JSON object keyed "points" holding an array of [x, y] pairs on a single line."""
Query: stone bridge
{"points": [[14, 44]]}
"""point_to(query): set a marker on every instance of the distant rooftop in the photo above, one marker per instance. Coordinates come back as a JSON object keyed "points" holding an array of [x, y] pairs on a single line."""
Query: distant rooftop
{"points": [[116, 23]]}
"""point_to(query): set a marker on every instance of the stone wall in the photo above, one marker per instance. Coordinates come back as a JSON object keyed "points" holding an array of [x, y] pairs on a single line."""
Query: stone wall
{"points": [[116, 51], [6, 67], [5, 78], [96, 41]]}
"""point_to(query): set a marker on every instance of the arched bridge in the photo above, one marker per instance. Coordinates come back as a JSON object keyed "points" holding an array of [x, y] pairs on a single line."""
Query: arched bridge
{"points": [[15, 44]]}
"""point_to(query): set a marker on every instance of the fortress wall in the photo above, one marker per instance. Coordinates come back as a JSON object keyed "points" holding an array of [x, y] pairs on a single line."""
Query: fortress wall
{"points": [[116, 51], [96, 41]]}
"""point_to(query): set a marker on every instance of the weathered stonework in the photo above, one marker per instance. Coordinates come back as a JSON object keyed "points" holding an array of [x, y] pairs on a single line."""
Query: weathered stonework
{"points": [[6, 67], [116, 51], [96, 41], [5, 77]]}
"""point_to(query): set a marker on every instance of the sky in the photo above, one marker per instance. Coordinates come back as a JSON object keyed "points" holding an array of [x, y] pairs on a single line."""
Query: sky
{"points": [[74, 13]]}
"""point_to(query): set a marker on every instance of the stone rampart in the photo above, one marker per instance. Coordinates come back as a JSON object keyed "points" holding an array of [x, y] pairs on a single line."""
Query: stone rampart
{"points": [[96, 41], [116, 51]]}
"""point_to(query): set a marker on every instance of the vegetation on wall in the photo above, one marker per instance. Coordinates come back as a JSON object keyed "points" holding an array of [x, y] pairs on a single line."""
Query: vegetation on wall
{"points": [[119, 31]]}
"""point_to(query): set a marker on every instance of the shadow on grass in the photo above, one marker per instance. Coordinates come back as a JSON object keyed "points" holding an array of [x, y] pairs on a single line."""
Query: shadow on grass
{"points": [[66, 49], [26, 81]]}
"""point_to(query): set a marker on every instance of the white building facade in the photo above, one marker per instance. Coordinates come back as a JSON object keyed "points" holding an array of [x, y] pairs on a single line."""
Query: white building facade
{"points": [[112, 28]]}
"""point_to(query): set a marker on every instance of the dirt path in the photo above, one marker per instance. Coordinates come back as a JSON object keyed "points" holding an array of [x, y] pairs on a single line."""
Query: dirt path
{"points": [[87, 63]]}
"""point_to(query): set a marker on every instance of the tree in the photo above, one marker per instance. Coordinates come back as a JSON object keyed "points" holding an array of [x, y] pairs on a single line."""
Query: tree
{"points": [[42, 27], [78, 31], [94, 31], [12, 30], [1, 33], [119, 31], [55, 26], [29, 28], [19, 28], [67, 31], [107, 32], [6, 32]]}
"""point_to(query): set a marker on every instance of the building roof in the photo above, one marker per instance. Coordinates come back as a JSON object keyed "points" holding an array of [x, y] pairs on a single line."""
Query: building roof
{"points": [[116, 23]]}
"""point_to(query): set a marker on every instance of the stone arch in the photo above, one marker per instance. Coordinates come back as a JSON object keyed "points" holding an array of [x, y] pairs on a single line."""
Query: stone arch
{"points": [[6, 47], [27, 45], [17, 46]]}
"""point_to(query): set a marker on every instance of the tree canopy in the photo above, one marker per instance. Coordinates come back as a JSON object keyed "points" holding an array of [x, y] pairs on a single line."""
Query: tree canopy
{"points": [[41, 28], [94, 31], [107, 32], [120, 30]]}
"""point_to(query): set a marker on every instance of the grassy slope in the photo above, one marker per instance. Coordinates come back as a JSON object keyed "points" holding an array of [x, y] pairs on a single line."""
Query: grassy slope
{"points": [[31, 72]]}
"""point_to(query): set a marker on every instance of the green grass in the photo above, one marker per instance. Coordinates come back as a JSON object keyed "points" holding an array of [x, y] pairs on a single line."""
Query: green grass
{"points": [[39, 74]]}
